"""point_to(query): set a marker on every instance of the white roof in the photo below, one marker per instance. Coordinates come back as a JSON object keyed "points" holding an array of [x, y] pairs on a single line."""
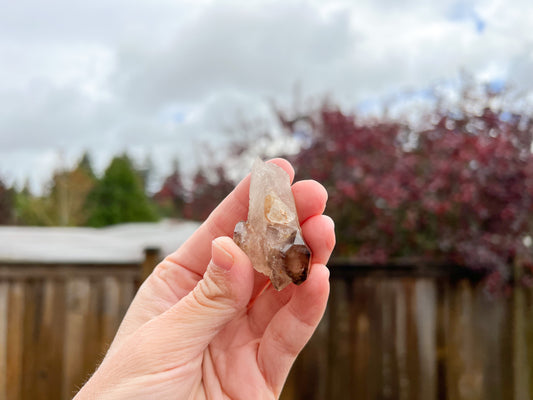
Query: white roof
{"points": [[123, 243]]}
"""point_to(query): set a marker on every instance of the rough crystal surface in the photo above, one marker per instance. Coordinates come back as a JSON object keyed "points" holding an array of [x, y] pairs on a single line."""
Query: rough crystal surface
{"points": [[271, 237]]}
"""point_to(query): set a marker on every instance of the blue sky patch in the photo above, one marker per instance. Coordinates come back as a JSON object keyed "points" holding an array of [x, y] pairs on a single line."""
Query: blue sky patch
{"points": [[465, 11]]}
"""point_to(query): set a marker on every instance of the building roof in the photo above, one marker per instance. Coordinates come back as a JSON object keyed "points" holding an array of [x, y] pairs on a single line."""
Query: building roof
{"points": [[123, 243]]}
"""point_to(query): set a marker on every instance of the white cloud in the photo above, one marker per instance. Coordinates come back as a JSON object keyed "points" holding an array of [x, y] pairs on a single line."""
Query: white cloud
{"points": [[153, 76]]}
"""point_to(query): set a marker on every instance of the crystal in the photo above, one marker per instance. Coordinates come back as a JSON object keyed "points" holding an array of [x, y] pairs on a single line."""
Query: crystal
{"points": [[272, 236]]}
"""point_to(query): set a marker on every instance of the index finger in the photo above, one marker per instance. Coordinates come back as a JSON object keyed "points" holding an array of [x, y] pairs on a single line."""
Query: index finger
{"points": [[195, 253]]}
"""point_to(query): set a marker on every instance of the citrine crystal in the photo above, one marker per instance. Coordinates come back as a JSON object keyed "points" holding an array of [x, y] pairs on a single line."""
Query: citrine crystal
{"points": [[272, 237]]}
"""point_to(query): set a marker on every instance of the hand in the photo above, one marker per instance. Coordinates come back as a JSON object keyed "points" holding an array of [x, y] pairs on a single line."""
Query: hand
{"points": [[205, 325]]}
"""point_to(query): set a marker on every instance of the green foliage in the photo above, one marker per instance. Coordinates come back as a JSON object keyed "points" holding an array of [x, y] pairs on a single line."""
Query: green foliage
{"points": [[6, 204], [63, 203], [85, 165], [119, 197], [68, 194], [31, 210]]}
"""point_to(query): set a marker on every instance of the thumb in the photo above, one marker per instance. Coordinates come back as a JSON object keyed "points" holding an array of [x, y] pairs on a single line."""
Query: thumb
{"points": [[223, 293]]}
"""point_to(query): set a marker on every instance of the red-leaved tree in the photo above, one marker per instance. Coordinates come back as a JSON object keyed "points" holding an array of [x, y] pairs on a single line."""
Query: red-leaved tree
{"points": [[457, 187], [206, 192]]}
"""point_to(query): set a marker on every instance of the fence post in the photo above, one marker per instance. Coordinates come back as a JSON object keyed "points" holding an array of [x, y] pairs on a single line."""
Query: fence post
{"points": [[152, 256]]}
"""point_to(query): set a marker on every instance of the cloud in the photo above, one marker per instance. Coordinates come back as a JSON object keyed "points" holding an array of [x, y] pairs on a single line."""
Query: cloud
{"points": [[237, 47], [155, 76]]}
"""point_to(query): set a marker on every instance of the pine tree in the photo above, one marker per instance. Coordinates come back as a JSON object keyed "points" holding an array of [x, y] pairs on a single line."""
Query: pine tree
{"points": [[85, 165], [6, 204], [119, 196]]}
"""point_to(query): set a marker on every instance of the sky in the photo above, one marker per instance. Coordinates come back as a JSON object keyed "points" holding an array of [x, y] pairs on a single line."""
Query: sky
{"points": [[161, 78]]}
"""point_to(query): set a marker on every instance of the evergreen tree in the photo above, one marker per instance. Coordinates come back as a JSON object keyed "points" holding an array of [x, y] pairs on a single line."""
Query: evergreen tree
{"points": [[85, 165], [6, 204], [119, 196]]}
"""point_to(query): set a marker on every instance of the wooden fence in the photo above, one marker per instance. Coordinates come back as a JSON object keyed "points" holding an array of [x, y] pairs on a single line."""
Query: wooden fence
{"points": [[56, 322], [410, 334], [387, 334]]}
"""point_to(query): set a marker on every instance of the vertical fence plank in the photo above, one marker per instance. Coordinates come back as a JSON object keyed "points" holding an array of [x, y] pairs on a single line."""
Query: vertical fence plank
{"points": [[111, 310], [77, 299], [529, 337], [412, 335], [389, 375], [400, 339], [4, 304], [340, 345], [442, 351], [92, 352], [15, 342], [425, 324], [55, 317], [520, 369], [33, 293], [127, 292], [467, 373], [48, 340], [361, 337]]}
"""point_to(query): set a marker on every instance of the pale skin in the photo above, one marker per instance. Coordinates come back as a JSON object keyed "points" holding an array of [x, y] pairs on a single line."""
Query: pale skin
{"points": [[205, 325]]}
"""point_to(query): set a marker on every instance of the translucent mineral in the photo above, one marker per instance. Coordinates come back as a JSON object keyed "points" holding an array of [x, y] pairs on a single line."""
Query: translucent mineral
{"points": [[272, 237]]}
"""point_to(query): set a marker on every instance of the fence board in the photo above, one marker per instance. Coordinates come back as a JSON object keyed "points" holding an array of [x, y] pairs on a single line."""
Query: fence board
{"points": [[92, 352], [15, 336], [341, 353], [425, 325], [520, 381], [4, 299], [77, 301]]}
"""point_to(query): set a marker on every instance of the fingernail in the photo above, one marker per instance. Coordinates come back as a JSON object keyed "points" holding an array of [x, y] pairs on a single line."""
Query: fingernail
{"points": [[220, 257]]}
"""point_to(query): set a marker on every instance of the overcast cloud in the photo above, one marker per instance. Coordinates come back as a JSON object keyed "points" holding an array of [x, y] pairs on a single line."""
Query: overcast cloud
{"points": [[155, 76]]}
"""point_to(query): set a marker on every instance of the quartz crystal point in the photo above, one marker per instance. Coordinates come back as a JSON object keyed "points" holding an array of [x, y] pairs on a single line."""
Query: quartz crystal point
{"points": [[271, 237]]}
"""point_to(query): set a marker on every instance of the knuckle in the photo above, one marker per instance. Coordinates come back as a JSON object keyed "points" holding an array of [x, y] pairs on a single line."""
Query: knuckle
{"points": [[213, 291]]}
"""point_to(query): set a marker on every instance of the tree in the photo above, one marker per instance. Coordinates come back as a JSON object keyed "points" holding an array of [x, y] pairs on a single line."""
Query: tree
{"points": [[31, 210], [119, 196], [455, 186], [6, 204], [205, 193], [68, 194], [63, 201], [85, 164], [146, 171], [171, 197]]}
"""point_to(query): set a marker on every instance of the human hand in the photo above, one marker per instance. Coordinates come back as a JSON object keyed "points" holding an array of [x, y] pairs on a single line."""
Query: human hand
{"points": [[203, 326]]}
